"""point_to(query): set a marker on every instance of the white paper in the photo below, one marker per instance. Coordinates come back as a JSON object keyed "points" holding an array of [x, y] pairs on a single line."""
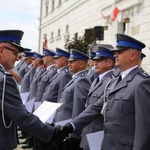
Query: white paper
{"points": [[61, 123], [95, 140], [46, 110], [50, 119], [24, 97], [29, 104]]}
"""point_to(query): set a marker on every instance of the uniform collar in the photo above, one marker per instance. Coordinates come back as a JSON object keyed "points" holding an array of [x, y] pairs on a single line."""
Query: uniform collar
{"points": [[77, 74], [59, 70]]}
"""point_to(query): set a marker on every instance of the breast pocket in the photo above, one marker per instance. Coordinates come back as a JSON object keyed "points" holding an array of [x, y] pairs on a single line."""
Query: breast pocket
{"points": [[122, 101], [94, 98]]}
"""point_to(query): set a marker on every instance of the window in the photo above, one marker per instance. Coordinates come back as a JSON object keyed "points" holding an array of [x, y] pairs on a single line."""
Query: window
{"points": [[75, 36], [58, 32], [67, 28], [53, 5], [46, 9], [52, 35], [59, 2]]}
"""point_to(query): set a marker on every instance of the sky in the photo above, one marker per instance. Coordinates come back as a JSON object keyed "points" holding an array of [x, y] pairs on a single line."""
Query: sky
{"points": [[23, 15]]}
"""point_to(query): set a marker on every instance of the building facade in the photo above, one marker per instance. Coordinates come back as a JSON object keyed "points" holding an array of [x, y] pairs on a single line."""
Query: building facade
{"points": [[67, 19]]}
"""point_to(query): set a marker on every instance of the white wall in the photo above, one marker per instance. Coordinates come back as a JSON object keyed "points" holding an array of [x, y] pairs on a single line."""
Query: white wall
{"points": [[83, 14]]}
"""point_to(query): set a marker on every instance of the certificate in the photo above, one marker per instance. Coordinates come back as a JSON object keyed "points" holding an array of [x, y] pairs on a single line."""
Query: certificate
{"points": [[95, 140], [46, 110], [24, 97]]}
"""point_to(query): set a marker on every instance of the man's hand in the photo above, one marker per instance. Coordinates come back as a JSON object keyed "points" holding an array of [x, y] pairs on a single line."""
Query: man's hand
{"points": [[68, 128], [61, 133]]}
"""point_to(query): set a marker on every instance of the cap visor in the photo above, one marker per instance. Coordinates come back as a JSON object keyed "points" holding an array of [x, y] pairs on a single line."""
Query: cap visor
{"points": [[21, 49], [97, 58], [56, 56], [71, 59], [119, 49]]}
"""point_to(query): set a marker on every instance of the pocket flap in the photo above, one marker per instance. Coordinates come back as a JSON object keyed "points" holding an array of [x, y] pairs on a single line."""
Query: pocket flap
{"points": [[122, 96]]}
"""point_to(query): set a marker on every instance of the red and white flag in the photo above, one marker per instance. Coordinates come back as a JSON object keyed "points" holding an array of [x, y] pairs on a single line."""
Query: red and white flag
{"points": [[45, 41], [115, 14]]}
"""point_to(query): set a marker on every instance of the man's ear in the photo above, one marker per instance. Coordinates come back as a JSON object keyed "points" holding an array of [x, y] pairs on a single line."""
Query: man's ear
{"points": [[1, 49]]}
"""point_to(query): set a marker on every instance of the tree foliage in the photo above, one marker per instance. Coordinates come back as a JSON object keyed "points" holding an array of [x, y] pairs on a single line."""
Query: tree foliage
{"points": [[82, 44]]}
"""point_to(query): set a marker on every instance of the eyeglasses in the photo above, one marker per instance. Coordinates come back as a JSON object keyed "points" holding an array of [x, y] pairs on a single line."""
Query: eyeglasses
{"points": [[15, 52]]}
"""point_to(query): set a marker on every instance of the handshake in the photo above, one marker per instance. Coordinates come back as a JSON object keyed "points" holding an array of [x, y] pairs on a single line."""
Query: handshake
{"points": [[58, 137], [61, 133]]}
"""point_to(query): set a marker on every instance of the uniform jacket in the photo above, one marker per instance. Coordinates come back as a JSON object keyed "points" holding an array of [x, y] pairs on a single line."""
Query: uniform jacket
{"points": [[28, 77], [53, 90], [35, 81], [125, 112], [18, 66], [73, 97], [44, 82], [21, 71], [95, 93], [15, 111]]}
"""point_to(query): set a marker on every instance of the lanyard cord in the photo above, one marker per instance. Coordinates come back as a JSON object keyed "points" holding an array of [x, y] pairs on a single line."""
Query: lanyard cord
{"points": [[3, 96], [103, 111]]}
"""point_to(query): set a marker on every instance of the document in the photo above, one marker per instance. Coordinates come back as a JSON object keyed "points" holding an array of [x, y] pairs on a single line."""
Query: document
{"points": [[24, 97], [29, 104], [46, 110], [61, 123], [50, 119], [95, 140]]}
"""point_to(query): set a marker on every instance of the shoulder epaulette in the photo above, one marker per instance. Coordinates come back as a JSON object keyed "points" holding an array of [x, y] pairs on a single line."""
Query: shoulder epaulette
{"points": [[66, 70], [54, 69], [83, 75], [144, 74], [5, 72]]}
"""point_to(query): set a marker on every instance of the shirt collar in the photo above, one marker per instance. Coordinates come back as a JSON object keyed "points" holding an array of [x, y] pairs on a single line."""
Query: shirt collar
{"points": [[103, 74], [59, 70], [123, 74], [49, 67], [76, 75]]}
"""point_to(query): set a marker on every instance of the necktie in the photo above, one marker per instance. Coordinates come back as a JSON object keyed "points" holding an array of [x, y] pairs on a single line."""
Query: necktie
{"points": [[119, 79], [97, 80]]}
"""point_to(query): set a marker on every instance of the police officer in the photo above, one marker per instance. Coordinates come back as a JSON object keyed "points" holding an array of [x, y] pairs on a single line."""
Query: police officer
{"points": [[53, 90], [74, 94], [48, 61], [28, 76], [126, 115], [38, 64], [20, 60], [104, 64], [92, 74], [24, 67], [12, 109]]}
